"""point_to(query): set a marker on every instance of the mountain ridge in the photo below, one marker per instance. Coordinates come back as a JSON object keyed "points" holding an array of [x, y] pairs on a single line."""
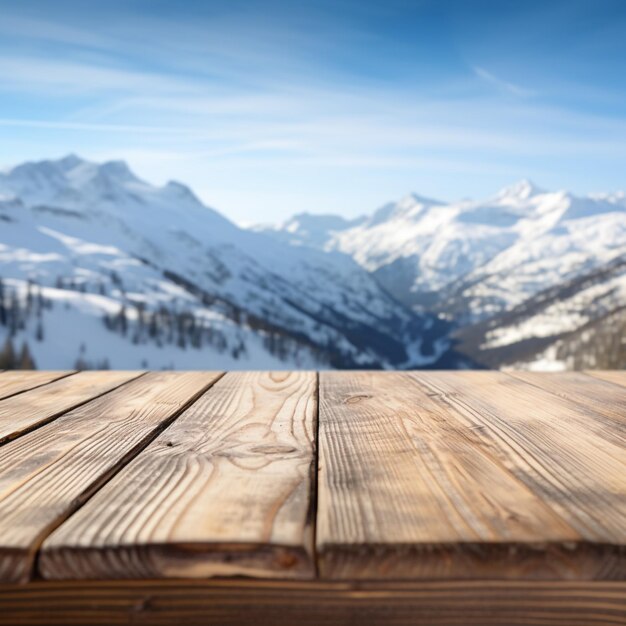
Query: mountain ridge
{"points": [[105, 243], [436, 252], [138, 268]]}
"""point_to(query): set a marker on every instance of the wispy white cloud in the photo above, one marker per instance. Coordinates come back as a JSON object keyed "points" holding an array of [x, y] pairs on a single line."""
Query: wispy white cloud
{"points": [[54, 77], [248, 109], [500, 84], [13, 25], [90, 127]]}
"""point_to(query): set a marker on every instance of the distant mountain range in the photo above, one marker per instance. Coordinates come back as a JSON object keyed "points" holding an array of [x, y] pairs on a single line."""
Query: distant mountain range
{"points": [[519, 274], [99, 268]]}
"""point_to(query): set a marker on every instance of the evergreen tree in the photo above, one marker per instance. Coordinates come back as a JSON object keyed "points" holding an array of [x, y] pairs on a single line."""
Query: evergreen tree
{"points": [[108, 322], [39, 331], [14, 314], [29, 296], [122, 322], [153, 329], [40, 301], [3, 311], [7, 356], [81, 362], [26, 361]]}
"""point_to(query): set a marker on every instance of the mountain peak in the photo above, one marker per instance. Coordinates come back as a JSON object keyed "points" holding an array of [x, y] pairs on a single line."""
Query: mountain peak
{"points": [[409, 206], [180, 191], [37, 175], [521, 190], [327, 221], [69, 162], [118, 170], [415, 198]]}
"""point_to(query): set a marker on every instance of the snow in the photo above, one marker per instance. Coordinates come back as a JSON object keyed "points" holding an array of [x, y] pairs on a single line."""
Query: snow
{"points": [[82, 314], [521, 190], [546, 362], [483, 258], [98, 228], [97, 238], [504, 249], [566, 315]]}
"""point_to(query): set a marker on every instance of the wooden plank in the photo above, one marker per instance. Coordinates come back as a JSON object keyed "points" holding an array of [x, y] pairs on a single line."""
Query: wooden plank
{"points": [[21, 413], [240, 602], [226, 490], [600, 396], [16, 381], [47, 474], [572, 457], [617, 377], [409, 489]]}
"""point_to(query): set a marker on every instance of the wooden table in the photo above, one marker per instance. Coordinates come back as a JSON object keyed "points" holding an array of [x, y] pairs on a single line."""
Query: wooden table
{"points": [[433, 498]]}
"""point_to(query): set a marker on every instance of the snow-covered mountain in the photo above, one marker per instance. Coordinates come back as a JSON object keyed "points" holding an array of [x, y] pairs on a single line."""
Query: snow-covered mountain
{"points": [[473, 259], [101, 267], [577, 324], [309, 229], [477, 260]]}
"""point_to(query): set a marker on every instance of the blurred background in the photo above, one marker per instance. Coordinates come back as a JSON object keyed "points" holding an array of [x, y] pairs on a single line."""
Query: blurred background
{"points": [[252, 185]]}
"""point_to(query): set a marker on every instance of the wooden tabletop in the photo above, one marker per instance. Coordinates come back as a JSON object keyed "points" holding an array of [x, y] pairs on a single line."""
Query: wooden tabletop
{"points": [[341, 497]]}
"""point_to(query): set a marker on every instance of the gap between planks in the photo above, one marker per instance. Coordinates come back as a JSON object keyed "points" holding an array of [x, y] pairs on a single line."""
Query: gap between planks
{"points": [[14, 382], [25, 412], [227, 489], [316, 466], [48, 473], [595, 394], [618, 377]]}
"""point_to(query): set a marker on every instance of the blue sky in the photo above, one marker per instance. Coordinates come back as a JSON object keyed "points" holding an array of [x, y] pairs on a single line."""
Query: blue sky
{"points": [[270, 108]]}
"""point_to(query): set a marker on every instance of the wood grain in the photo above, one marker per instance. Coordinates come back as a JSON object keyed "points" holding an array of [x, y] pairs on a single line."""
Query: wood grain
{"points": [[47, 474], [16, 381], [618, 377], [225, 490], [21, 413], [596, 394], [408, 488], [237, 602], [571, 456]]}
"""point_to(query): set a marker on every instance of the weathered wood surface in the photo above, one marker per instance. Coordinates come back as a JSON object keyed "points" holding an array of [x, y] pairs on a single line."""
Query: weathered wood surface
{"points": [[226, 490], [47, 474], [616, 377], [25, 411], [472, 474], [16, 381], [598, 395], [240, 602], [439, 498], [572, 456]]}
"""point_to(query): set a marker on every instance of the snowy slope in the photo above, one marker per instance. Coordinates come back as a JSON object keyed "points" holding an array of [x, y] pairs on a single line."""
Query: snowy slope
{"points": [[474, 259], [315, 230], [577, 324], [137, 273], [574, 236]]}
